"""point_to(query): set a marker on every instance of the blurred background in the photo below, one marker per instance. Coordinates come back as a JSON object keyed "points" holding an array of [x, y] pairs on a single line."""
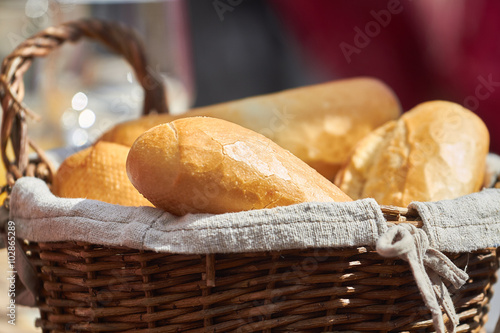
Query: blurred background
{"points": [[211, 51]]}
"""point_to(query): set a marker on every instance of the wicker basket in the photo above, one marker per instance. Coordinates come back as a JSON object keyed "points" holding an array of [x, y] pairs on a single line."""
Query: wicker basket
{"points": [[93, 288]]}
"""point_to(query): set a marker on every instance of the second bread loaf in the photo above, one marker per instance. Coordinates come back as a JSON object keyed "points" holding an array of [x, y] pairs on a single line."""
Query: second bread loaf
{"points": [[320, 123]]}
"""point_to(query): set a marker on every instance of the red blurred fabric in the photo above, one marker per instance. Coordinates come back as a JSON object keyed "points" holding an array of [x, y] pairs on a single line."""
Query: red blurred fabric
{"points": [[448, 49]]}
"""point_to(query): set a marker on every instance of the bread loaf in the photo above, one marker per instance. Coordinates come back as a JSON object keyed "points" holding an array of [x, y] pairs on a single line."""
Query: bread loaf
{"points": [[207, 165], [99, 173], [435, 151], [320, 124]]}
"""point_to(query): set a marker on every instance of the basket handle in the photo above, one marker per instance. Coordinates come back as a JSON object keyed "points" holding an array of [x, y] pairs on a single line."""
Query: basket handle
{"points": [[117, 37]]}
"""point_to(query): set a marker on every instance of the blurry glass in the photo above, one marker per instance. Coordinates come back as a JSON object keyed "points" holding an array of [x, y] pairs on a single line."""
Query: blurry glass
{"points": [[83, 89]]}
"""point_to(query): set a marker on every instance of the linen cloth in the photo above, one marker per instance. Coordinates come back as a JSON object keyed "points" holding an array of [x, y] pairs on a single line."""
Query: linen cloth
{"points": [[42, 217]]}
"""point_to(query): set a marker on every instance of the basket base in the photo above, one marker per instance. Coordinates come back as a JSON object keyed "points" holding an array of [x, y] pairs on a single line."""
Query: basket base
{"points": [[90, 288]]}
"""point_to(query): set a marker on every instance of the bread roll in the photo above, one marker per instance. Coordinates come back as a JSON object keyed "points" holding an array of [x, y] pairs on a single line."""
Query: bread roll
{"points": [[435, 151], [99, 173], [207, 165], [320, 124]]}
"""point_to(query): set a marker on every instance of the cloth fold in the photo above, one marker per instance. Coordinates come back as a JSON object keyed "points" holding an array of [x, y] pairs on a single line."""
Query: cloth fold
{"points": [[465, 224]]}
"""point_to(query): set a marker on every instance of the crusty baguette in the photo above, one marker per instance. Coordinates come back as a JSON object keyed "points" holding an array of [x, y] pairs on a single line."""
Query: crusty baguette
{"points": [[435, 151], [320, 124], [208, 165], [99, 173]]}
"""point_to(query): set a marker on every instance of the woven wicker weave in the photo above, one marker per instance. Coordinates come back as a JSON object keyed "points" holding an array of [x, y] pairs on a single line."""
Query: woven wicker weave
{"points": [[92, 288]]}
